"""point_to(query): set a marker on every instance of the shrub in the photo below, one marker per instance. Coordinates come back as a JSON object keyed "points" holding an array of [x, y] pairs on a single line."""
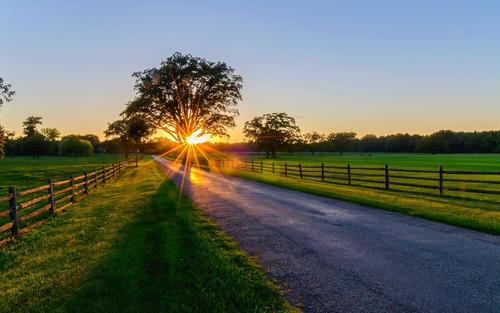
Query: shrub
{"points": [[74, 146]]}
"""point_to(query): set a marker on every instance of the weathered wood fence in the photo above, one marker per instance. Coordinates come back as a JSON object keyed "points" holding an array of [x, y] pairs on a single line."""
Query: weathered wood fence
{"points": [[439, 181], [29, 208]]}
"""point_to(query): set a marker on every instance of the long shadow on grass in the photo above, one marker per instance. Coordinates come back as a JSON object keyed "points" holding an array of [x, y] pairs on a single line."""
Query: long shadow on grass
{"points": [[161, 264]]}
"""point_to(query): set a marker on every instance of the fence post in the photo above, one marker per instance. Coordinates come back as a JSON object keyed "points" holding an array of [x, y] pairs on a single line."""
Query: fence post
{"points": [[349, 174], [104, 174], [86, 185], [95, 178], [286, 169], [440, 180], [252, 166], [273, 167], [52, 201], [13, 211], [386, 169], [300, 170], [72, 185], [322, 171], [261, 166]]}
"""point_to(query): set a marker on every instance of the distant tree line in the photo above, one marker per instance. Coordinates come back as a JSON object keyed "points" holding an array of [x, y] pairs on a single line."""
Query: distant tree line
{"points": [[443, 141], [274, 132]]}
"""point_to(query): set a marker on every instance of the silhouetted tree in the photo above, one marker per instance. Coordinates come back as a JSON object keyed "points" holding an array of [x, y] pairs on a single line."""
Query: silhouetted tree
{"points": [[30, 125], [138, 130], [119, 129], [271, 131], [187, 94], [313, 139], [51, 135], [342, 141]]}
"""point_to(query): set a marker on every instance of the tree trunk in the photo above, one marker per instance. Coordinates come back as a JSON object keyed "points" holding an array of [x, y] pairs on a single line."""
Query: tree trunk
{"points": [[273, 151]]}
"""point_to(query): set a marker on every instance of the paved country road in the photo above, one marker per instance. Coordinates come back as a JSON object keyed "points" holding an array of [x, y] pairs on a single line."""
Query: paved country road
{"points": [[336, 256]]}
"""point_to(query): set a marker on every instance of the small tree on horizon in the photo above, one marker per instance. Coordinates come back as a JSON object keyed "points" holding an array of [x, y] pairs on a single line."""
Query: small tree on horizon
{"points": [[342, 141], [119, 129], [313, 139], [271, 131], [138, 130]]}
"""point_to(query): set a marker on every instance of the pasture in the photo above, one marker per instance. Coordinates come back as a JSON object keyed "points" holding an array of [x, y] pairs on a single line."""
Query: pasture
{"points": [[26, 172], [133, 246], [478, 211], [462, 161]]}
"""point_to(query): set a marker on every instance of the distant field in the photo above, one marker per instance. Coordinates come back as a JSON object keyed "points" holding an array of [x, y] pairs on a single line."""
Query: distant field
{"points": [[26, 172], [410, 160]]}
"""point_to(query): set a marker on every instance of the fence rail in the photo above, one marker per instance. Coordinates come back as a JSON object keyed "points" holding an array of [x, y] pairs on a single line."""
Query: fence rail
{"points": [[438, 180], [31, 207]]}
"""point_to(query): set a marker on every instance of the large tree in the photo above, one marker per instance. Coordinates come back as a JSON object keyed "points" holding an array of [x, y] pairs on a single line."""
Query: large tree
{"points": [[187, 94], [271, 131]]}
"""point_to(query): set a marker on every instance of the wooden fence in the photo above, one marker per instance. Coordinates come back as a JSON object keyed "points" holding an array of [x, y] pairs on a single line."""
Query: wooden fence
{"points": [[29, 208], [438, 181]]}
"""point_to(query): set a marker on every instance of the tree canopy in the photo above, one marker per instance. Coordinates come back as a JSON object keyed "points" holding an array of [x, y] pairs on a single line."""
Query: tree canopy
{"points": [[74, 146], [187, 94], [30, 125], [271, 131]]}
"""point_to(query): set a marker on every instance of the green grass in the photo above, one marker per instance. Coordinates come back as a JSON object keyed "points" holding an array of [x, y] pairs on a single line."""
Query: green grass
{"points": [[26, 172], [129, 247], [463, 161], [474, 211]]}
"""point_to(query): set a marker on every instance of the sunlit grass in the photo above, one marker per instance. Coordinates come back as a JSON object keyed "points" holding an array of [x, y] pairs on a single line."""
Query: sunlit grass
{"points": [[130, 247]]}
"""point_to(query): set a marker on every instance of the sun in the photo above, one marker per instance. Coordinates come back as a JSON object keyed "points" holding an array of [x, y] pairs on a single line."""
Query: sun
{"points": [[195, 138]]}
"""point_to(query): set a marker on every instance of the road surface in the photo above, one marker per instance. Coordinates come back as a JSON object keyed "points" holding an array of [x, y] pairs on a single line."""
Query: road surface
{"points": [[335, 256]]}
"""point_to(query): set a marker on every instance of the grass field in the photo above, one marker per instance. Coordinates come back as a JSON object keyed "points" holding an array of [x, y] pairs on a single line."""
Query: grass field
{"points": [[474, 211], [410, 160], [26, 172], [129, 247]]}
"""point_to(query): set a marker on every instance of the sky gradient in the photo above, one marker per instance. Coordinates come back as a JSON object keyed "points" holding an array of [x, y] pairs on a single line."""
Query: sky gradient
{"points": [[365, 66]]}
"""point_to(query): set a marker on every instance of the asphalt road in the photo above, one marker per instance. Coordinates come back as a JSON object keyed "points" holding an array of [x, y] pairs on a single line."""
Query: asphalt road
{"points": [[335, 256]]}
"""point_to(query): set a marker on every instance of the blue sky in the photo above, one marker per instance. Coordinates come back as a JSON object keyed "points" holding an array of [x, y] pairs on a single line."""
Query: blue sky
{"points": [[365, 66]]}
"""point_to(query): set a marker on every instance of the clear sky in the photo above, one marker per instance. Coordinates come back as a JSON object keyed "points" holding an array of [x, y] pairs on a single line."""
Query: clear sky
{"points": [[365, 66]]}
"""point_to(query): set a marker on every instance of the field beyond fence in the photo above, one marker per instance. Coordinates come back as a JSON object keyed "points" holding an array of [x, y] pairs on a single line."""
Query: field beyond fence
{"points": [[22, 210], [472, 184]]}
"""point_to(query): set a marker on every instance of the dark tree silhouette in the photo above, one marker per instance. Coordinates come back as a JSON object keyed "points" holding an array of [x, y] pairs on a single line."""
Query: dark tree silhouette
{"points": [[30, 125], [342, 141], [138, 130], [187, 94], [271, 131], [119, 129]]}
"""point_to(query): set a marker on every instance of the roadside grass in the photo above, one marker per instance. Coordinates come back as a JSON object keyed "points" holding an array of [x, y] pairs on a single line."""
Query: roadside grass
{"points": [[469, 213], [26, 172], [129, 247]]}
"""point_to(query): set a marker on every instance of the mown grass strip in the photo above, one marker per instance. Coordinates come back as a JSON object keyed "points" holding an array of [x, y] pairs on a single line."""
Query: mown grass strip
{"points": [[130, 248]]}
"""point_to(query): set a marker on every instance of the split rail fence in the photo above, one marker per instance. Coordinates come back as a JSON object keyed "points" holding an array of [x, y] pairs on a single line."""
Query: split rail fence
{"points": [[483, 185], [22, 210]]}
